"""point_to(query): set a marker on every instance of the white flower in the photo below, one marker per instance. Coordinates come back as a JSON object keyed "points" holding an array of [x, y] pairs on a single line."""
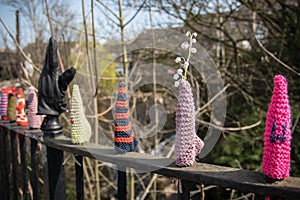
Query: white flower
{"points": [[188, 34], [185, 45], [176, 76], [179, 71], [194, 40], [195, 34], [193, 50], [176, 83], [186, 65], [178, 59], [183, 80]]}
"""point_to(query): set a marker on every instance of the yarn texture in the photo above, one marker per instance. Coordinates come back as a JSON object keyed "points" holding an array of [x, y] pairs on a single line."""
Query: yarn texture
{"points": [[187, 144], [80, 128], [3, 105], [34, 120], [277, 136], [124, 137], [22, 119], [11, 107]]}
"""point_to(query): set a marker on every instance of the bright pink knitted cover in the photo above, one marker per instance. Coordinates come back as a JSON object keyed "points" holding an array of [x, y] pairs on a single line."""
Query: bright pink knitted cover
{"points": [[277, 144], [187, 144], [34, 120]]}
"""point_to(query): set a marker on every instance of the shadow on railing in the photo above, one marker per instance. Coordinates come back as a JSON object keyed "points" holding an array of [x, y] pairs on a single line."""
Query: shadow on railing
{"points": [[54, 184]]}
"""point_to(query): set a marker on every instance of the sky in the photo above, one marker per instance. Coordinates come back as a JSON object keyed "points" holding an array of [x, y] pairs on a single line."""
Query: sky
{"points": [[102, 24], [8, 17]]}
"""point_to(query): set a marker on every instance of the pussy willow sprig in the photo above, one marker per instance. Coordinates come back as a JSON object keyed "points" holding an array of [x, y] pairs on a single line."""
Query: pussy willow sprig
{"points": [[184, 63]]}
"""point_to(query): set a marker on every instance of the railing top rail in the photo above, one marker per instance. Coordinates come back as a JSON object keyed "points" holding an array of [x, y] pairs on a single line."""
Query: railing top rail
{"points": [[240, 179]]}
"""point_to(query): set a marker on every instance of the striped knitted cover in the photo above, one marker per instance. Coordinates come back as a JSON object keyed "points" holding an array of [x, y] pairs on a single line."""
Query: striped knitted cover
{"points": [[187, 144], [125, 140], [11, 107], [34, 120], [3, 105], [277, 136], [22, 119], [81, 130]]}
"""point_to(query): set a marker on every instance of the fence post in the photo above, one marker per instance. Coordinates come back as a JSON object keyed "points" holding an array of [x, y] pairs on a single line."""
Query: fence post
{"points": [[56, 173], [122, 183], [186, 189], [14, 163], [4, 164], [45, 172], [79, 178], [24, 166], [34, 166]]}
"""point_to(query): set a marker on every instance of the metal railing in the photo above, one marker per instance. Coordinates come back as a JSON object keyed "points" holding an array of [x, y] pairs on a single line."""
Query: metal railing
{"points": [[54, 183]]}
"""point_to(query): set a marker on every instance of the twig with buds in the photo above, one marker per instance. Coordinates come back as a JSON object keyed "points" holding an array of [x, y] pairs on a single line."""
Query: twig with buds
{"points": [[184, 63]]}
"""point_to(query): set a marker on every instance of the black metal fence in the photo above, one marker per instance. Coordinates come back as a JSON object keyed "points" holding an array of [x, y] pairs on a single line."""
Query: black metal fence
{"points": [[54, 180]]}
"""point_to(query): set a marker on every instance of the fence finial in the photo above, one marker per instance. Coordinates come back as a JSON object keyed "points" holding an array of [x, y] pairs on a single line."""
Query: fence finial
{"points": [[52, 90]]}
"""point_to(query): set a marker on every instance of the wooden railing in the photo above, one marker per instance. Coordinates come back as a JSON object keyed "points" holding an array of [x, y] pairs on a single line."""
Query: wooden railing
{"points": [[54, 185]]}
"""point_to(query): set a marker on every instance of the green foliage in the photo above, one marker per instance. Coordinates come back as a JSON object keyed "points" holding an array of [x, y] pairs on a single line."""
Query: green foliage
{"points": [[99, 58]]}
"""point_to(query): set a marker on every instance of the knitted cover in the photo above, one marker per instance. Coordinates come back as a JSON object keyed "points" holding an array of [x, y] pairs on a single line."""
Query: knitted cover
{"points": [[34, 120], [187, 144], [277, 142], [125, 140], [11, 107], [3, 104], [80, 127], [20, 109]]}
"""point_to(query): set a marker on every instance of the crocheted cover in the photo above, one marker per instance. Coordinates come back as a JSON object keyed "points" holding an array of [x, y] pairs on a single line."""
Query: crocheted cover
{"points": [[3, 104], [20, 109], [187, 144], [125, 140], [80, 127], [34, 120], [277, 141], [11, 107]]}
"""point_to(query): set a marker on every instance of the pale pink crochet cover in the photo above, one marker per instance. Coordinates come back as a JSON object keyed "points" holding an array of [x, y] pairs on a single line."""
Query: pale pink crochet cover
{"points": [[187, 144], [34, 120], [277, 143]]}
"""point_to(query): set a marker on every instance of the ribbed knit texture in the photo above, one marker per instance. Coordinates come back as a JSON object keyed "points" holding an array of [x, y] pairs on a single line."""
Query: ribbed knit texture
{"points": [[80, 128], [187, 144], [277, 136], [125, 140], [34, 120], [11, 107], [3, 105], [22, 119]]}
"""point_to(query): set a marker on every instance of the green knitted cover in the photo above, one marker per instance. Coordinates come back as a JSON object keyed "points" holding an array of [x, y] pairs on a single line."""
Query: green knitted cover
{"points": [[80, 127]]}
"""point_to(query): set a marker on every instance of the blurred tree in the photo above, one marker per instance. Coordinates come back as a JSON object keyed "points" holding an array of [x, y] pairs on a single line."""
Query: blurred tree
{"points": [[34, 30], [35, 15]]}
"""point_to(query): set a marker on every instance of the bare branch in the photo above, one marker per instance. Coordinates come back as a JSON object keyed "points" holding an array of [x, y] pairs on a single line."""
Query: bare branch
{"points": [[108, 9], [230, 128], [135, 14], [254, 28], [212, 99], [18, 46], [49, 18]]}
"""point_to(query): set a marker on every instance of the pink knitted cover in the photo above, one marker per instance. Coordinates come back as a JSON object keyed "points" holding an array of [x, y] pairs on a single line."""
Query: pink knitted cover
{"points": [[187, 144], [34, 120], [3, 103], [277, 142]]}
